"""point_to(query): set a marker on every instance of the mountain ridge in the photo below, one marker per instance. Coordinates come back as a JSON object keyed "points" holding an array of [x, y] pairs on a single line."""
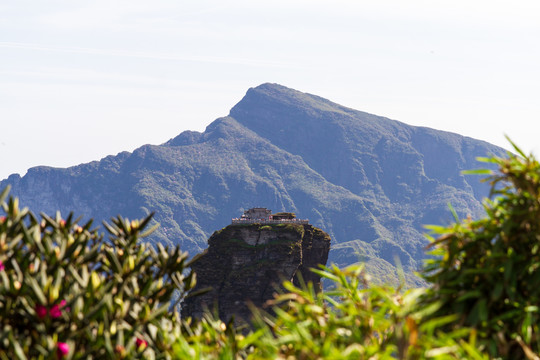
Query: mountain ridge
{"points": [[368, 181]]}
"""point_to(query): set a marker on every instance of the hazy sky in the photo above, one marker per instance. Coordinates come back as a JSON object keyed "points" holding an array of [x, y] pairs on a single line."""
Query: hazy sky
{"points": [[80, 80]]}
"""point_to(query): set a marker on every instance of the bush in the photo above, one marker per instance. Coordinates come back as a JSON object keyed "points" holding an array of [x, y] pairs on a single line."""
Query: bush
{"points": [[66, 292], [487, 272], [355, 320]]}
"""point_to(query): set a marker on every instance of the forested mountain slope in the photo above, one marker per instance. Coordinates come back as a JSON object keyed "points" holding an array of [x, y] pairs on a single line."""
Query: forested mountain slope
{"points": [[368, 181]]}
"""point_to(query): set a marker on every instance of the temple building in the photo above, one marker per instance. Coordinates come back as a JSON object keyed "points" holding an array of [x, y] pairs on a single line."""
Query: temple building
{"points": [[257, 214], [264, 215]]}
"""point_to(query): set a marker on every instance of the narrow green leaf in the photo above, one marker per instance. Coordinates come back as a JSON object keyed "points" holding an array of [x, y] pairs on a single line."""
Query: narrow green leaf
{"points": [[477, 172], [37, 290], [518, 150], [4, 194]]}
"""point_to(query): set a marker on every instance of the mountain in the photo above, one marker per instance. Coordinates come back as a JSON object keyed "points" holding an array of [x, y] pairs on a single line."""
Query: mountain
{"points": [[368, 181]]}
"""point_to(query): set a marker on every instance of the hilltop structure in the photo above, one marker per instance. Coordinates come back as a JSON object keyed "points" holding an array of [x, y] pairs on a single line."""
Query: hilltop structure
{"points": [[265, 216]]}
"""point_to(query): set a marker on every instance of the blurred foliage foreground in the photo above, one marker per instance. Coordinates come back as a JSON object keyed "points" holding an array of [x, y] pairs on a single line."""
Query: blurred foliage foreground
{"points": [[66, 292]]}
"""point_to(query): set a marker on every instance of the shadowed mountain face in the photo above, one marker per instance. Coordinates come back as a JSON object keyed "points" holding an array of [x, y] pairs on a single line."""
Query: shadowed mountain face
{"points": [[368, 181]]}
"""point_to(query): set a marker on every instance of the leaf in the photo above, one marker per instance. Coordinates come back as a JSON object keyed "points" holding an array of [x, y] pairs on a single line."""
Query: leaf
{"points": [[469, 295], [518, 150], [18, 349], [198, 292], [150, 230], [527, 350], [472, 352], [4, 194], [37, 290], [477, 172]]}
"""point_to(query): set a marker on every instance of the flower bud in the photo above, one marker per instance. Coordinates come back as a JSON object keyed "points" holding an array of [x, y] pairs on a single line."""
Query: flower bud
{"points": [[120, 350], [141, 344], [96, 281], [62, 349]]}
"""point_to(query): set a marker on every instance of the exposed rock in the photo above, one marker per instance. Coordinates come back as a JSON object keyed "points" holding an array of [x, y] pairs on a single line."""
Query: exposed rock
{"points": [[245, 263]]}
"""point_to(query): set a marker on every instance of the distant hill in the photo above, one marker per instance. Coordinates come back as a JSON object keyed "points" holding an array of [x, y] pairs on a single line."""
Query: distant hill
{"points": [[368, 181]]}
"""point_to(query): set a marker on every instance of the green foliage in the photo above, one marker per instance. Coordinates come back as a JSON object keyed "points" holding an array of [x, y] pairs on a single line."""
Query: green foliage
{"points": [[211, 338], [290, 228], [486, 272], [355, 320], [65, 291]]}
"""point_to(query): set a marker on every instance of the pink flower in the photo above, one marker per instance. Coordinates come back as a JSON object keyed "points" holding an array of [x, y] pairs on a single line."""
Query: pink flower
{"points": [[141, 343], [2, 266], [41, 311], [62, 349], [56, 311]]}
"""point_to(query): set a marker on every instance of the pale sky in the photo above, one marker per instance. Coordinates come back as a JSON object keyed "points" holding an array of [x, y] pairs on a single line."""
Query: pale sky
{"points": [[80, 80]]}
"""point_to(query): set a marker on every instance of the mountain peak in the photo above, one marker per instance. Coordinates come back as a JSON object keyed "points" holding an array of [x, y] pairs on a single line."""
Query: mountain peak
{"points": [[272, 86], [275, 90], [275, 97]]}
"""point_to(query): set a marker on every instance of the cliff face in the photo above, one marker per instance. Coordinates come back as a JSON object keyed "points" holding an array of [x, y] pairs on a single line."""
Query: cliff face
{"points": [[244, 263]]}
